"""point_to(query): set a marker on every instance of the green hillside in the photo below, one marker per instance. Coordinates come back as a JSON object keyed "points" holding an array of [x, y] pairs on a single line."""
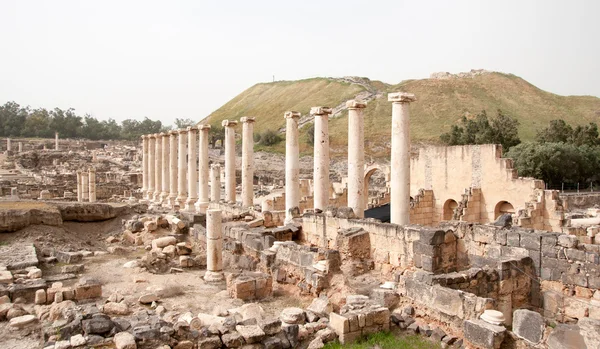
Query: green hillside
{"points": [[440, 103]]}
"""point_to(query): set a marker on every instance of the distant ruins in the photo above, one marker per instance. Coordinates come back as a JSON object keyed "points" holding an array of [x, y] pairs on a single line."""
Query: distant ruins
{"points": [[473, 256]]}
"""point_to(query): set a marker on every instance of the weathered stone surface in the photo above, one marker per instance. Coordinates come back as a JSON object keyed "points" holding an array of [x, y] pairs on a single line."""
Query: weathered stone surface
{"points": [[565, 337], [88, 288], [211, 342], [483, 334], [232, 340], [590, 331], [113, 308], [22, 321], [125, 340], [97, 325], [528, 325], [78, 340], [251, 334], [164, 242], [292, 316], [321, 307], [148, 298], [270, 326]]}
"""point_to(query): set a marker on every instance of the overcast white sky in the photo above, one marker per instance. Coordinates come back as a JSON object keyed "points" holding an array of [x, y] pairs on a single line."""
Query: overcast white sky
{"points": [[168, 59]]}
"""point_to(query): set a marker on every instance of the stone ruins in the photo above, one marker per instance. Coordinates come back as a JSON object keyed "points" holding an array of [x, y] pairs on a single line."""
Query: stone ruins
{"points": [[172, 243]]}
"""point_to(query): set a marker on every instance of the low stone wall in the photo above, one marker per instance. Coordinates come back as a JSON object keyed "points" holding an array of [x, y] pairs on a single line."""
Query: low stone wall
{"points": [[578, 201]]}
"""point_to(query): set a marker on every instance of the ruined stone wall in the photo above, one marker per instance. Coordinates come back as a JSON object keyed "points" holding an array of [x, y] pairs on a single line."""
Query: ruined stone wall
{"points": [[574, 201], [422, 208]]}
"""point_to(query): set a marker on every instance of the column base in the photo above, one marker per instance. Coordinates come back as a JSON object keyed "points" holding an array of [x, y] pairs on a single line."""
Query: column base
{"points": [[149, 194], [201, 207], [156, 197], [214, 277], [172, 201], [189, 204], [164, 196]]}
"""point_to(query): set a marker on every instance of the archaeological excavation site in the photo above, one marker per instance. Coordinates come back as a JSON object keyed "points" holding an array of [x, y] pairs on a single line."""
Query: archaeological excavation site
{"points": [[175, 241]]}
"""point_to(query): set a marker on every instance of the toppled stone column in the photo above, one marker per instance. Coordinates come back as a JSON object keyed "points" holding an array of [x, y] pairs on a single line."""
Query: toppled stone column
{"points": [[56, 141], [229, 160], [292, 164], [92, 184], [8, 145], [157, 167], [214, 247], [321, 157], [247, 161], [145, 178], [20, 147], [79, 181], [215, 182], [202, 203], [85, 184], [400, 159], [356, 157], [173, 175], [192, 169], [164, 194], [182, 168], [151, 167]]}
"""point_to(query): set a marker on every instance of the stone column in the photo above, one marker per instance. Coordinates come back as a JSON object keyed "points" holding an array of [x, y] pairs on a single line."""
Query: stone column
{"points": [[230, 182], [192, 176], [157, 167], [56, 141], [8, 145], [79, 194], [182, 168], [20, 147], [356, 157], [203, 167], [151, 166], [173, 175], [92, 184], [247, 161], [215, 183], [214, 247], [145, 174], [164, 194], [85, 184], [321, 157], [292, 164], [400, 162]]}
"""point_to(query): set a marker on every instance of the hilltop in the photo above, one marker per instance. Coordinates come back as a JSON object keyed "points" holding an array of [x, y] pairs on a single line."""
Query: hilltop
{"points": [[442, 100]]}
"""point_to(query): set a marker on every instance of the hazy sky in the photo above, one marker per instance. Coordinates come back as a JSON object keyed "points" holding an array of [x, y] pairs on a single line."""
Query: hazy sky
{"points": [[167, 59]]}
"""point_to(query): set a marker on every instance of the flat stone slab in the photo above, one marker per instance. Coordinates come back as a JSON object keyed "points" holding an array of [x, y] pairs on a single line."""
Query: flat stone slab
{"points": [[528, 325], [18, 256], [566, 337], [483, 334]]}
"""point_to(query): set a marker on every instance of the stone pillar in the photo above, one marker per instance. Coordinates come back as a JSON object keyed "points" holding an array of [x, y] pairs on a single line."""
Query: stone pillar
{"points": [[321, 157], [192, 176], [8, 145], [164, 194], [400, 162], [85, 184], [292, 164], [214, 247], [356, 157], [145, 174], [20, 147], [247, 161], [79, 193], [230, 182], [56, 141], [157, 167], [215, 183], [173, 174], [203, 167], [151, 166], [92, 184], [182, 168]]}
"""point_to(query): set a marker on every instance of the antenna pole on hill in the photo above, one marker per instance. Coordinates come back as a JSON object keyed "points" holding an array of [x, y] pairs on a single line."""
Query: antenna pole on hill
{"points": [[273, 78]]}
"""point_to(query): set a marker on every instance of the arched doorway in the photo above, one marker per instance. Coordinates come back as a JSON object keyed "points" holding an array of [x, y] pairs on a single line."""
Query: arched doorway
{"points": [[449, 206], [503, 207], [376, 184]]}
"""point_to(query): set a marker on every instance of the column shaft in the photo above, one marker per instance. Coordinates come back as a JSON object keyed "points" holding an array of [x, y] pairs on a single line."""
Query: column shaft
{"points": [[157, 167], [356, 157], [321, 157], [192, 169], [214, 247], [85, 184], [247, 161], [56, 140], [145, 178], [92, 184], [230, 180], [165, 167], [215, 183], [203, 168], [151, 167], [173, 174], [79, 194], [182, 168], [292, 165]]}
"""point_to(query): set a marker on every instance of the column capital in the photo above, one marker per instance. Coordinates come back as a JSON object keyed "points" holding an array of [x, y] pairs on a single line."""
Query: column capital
{"points": [[401, 97], [320, 111], [245, 119], [192, 128], [217, 166], [162, 134], [182, 131], [92, 169], [150, 136], [228, 123], [354, 104], [204, 127], [143, 137], [291, 114], [172, 133]]}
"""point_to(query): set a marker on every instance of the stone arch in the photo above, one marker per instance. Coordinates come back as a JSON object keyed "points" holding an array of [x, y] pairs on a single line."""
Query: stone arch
{"points": [[448, 210], [369, 170], [503, 207]]}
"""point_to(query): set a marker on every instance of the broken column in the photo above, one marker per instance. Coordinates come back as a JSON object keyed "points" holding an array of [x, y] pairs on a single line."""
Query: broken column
{"points": [[192, 169], [215, 182], [8, 146], [182, 168], [202, 203], [321, 157], [20, 147], [172, 168], [55, 140], [79, 180], [92, 184], [400, 159], [157, 167], [214, 247], [356, 157], [145, 178], [230, 182], [292, 165], [151, 166], [164, 194], [247, 161], [85, 184]]}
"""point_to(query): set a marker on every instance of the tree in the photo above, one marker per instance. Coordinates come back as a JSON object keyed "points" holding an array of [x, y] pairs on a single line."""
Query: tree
{"points": [[184, 123], [557, 131], [586, 135], [216, 133], [269, 137], [310, 133]]}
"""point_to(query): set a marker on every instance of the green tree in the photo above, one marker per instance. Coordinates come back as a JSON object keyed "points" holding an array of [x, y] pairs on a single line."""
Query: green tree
{"points": [[557, 131], [585, 135], [217, 132], [269, 137], [184, 123]]}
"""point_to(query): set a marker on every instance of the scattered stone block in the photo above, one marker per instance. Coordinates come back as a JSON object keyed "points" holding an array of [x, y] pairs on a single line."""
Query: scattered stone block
{"points": [[69, 257], [528, 325], [251, 333], [73, 268], [232, 340], [113, 308], [40, 297], [22, 321], [321, 306], [78, 341], [148, 298], [385, 297], [88, 288], [124, 340], [293, 316], [164, 242], [483, 334], [6, 277]]}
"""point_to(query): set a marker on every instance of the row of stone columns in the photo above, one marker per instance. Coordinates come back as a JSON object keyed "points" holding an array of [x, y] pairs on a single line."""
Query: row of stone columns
{"points": [[86, 185], [400, 159]]}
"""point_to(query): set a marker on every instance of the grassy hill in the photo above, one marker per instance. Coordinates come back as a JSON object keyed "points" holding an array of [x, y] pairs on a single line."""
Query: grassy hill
{"points": [[440, 103]]}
